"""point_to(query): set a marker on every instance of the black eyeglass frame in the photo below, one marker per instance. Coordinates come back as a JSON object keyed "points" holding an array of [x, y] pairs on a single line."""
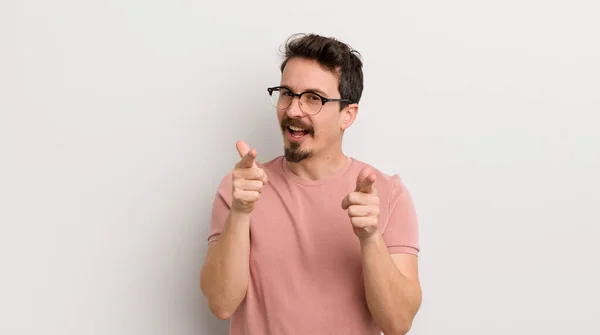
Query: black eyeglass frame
{"points": [[299, 95]]}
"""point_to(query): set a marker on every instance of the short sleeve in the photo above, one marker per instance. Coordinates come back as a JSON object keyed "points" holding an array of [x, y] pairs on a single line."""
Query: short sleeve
{"points": [[220, 208], [401, 233]]}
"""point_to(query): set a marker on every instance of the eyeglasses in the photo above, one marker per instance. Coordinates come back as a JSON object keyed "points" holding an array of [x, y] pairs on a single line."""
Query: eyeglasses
{"points": [[310, 102]]}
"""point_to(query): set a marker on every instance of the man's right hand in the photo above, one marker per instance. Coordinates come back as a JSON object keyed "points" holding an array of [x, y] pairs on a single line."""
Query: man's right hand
{"points": [[248, 180]]}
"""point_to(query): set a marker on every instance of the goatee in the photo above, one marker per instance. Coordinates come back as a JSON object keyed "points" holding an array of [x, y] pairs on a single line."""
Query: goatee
{"points": [[295, 154]]}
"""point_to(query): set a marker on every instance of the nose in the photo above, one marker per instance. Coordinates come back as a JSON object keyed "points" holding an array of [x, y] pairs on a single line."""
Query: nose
{"points": [[294, 111]]}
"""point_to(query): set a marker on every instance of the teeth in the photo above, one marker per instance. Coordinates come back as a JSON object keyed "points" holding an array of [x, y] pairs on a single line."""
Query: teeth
{"points": [[296, 128]]}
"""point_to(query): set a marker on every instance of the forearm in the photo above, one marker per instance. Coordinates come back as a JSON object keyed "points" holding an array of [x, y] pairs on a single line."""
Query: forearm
{"points": [[224, 277], [393, 300]]}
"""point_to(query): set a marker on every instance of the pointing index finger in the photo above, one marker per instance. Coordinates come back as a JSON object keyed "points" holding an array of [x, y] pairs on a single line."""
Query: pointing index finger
{"points": [[242, 148], [365, 181], [247, 155], [367, 184]]}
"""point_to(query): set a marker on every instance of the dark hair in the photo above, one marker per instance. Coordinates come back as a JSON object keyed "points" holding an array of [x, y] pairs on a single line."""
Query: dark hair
{"points": [[335, 56]]}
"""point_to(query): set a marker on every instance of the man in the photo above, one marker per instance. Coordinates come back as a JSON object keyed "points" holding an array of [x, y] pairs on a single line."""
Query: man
{"points": [[313, 242]]}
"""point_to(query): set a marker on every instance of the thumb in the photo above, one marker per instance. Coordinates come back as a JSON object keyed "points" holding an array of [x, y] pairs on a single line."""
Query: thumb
{"points": [[365, 181]]}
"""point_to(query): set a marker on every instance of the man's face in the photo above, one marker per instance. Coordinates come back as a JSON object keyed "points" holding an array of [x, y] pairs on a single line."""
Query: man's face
{"points": [[306, 135]]}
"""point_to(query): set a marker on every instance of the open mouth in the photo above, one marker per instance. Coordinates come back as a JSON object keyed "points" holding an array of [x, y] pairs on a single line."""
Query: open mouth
{"points": [[296, 132]]}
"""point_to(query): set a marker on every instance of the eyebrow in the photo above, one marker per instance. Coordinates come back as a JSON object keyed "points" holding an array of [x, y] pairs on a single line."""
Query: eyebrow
{"points": [[315, 90]]}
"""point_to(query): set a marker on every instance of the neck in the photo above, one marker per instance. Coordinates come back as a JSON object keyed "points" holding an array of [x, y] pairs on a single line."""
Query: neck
{"points": [[318, 167]]}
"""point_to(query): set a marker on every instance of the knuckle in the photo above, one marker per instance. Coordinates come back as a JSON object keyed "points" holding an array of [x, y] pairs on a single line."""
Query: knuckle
{"points": [[237, 174], [375, 210], [352, 210], [237, 184], [252, 173]]}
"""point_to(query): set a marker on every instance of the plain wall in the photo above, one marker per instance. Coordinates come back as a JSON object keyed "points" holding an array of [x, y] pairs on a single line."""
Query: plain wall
{"points": [[118, 119]]}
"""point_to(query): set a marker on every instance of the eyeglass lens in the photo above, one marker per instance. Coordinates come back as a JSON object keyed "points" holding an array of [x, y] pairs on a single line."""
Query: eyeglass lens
{"points": [[310, 103]]}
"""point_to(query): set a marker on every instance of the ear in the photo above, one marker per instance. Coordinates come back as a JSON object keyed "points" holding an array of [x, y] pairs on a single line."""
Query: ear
{"points": [[348, 115]]}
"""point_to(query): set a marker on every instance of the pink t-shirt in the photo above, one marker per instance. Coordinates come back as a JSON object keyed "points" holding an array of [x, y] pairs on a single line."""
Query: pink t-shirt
{"points": [[305, 261]]}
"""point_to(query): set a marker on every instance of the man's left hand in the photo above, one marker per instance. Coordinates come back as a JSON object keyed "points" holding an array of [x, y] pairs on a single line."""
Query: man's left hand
{"points": [[363, 205]]}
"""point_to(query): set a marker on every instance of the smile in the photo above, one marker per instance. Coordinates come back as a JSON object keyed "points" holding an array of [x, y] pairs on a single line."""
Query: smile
{"points": [[296, 133]]}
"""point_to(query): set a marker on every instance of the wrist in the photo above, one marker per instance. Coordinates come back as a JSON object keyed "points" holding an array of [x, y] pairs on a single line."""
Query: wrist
{"points": [[374, 239], [241, 214]]}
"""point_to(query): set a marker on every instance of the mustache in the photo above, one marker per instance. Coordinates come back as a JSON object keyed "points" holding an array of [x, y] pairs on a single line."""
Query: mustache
{"points": [[296, 123]]}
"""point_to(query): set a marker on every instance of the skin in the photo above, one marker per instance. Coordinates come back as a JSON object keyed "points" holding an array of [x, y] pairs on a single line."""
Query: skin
{"points": [[392, 285], [225, 273], [325, 145]]}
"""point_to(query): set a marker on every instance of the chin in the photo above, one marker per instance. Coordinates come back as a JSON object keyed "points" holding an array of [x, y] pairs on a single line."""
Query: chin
{"points": [[295, 155]]}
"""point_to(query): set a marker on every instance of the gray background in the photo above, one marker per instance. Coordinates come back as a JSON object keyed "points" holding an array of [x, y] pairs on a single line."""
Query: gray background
{"points": [[118, 119]]}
